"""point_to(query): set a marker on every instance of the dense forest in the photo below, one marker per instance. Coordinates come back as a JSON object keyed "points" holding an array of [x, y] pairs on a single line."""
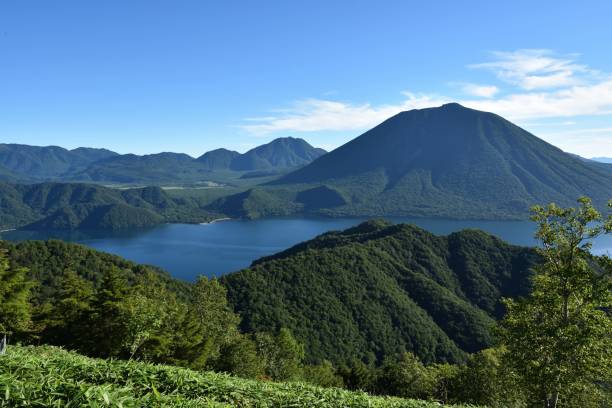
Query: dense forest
{"points": [[388, 309], [23, 163], [378, 289], [66, 206]]}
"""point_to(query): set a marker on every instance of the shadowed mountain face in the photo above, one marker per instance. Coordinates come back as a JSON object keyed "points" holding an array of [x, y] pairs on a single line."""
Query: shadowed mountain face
{"points": [[377, 289], [475, 161]]}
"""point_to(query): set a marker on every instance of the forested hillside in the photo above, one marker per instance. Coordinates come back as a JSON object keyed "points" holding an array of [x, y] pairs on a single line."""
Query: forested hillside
{"points": [[23, 163], [378, 290], [71, 206]]}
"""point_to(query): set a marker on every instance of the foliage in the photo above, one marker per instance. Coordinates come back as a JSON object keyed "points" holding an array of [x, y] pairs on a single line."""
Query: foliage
{"points": [[15, 309], [560, 336], [49, 376], [281, 353], [379, 290], [405, 377], [63, 206]]}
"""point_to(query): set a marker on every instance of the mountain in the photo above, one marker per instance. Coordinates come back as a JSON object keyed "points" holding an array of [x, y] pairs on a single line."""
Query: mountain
{"points": [[280, 153], [602, 159], [38, 162], [23, 163], [219, 159], [453, 162], [150, 168], [377, 289], [72, 206]]}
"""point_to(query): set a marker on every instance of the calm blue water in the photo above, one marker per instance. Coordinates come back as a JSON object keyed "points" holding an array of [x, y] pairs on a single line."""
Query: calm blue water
{"points": [[187, 250]]}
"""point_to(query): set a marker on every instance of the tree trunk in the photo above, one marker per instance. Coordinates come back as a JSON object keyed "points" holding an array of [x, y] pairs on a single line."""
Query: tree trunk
{"points": [[552, 400]]}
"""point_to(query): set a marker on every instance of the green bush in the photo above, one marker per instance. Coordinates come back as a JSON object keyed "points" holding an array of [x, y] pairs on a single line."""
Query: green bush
{"points": [[51, 377]]}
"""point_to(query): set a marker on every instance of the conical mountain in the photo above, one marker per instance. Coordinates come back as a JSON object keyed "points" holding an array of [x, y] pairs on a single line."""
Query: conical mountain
{"points": [[452, 161], [283, 152]]}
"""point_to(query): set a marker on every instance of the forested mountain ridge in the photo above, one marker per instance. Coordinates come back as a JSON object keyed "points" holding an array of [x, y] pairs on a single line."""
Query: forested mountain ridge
{"points": [[42, 162], [418, 161], [23, 163], [281, 153], [377, 290], [73, 206]]}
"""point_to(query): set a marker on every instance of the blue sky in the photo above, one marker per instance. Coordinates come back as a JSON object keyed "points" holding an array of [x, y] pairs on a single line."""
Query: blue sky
{"points": [[189, 76]]}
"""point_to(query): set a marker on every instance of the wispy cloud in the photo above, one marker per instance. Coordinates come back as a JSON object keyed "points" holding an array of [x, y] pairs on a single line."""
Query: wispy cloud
{"points": [[534, 85], [483, 91], [536, 69], [312, 115]]}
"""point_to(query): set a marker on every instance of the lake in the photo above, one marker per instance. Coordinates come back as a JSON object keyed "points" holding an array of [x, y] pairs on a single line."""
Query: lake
{"points": [[188, 250]]}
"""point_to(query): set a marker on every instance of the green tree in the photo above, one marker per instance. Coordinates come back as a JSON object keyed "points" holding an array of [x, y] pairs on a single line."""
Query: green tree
{"points": [[358, 376], [444, 379], [324, 375], [15, 309], [282, 353], [559, 338], [141, 317], [485, 380], [105, 325], [214, 316], [404, 377], [64, 319], [239, 357]]}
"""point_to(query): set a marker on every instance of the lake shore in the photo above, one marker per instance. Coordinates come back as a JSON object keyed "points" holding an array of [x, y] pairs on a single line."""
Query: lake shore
{"points": [[215, 220]]}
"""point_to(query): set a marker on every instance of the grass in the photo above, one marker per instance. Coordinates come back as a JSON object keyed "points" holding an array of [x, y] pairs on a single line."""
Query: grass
{"points": [[46, 376]]}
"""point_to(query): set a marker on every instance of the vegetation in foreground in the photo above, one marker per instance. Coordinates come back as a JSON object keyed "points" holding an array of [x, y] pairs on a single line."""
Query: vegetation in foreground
{"points": [[553, 344], [49, 376]]}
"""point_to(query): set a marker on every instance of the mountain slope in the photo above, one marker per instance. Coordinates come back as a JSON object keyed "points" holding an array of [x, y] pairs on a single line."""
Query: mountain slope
{"points": [[377, 290], [38, 162], [218, 159], [71, 379], [453, 162], [150, 168], [73, 206], [279, 153]]}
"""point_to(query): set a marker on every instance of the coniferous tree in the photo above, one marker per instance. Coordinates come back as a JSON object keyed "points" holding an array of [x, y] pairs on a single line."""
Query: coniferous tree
{"points": [[15, 309], [106, 331], [64, 320]]}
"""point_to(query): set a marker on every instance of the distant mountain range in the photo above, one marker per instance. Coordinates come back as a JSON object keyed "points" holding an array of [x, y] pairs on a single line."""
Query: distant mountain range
{"points": [[445, 162], [378, 290], [602, 159], [449, 162], [33, 163]]}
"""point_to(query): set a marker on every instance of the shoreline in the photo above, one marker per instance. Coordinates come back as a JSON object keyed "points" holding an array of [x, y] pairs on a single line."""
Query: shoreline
{"points": [[215, 220]]}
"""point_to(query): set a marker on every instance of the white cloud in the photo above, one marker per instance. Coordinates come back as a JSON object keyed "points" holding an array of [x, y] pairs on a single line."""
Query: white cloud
{"points": [[595, 99], [312, 115], [585, 142], [484, 91], [536, 69], [545, 86]]}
